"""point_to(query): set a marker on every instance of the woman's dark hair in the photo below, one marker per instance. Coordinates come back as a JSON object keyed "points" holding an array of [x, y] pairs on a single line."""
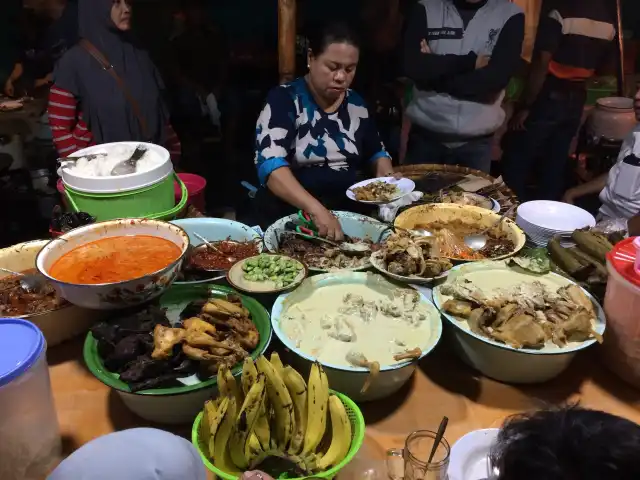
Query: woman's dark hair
{"points": [[568, 443], [321, 36]]}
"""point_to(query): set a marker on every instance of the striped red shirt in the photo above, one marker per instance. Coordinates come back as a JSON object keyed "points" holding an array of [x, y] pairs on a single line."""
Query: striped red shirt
{"points": [[70, 132]]}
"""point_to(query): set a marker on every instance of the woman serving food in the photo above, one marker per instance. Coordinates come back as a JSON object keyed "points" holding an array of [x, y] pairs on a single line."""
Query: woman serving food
{"points": [[315, 133]]}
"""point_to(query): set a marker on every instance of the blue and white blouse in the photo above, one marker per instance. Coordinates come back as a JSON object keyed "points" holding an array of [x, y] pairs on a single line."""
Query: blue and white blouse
{"points": [[324, 150]]}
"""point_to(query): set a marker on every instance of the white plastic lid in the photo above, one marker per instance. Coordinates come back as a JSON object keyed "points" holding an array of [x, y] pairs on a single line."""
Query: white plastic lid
{"points": [[121, 183]]}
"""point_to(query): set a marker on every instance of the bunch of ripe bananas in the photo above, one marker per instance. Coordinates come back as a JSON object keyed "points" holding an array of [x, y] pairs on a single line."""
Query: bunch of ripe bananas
{"points": [[275, 413]]}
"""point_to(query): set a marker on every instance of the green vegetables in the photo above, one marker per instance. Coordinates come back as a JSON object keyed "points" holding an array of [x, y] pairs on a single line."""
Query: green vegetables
{"points": [[534, 260], [280, 270]]}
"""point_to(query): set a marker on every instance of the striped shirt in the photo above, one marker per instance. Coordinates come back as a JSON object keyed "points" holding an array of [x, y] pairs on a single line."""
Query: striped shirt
{"points": [[579, 34], [70, 132]]}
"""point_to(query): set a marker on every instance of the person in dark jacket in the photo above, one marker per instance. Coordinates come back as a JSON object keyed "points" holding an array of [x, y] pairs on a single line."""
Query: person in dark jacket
{"points": [[460, 55], [573, 40]]}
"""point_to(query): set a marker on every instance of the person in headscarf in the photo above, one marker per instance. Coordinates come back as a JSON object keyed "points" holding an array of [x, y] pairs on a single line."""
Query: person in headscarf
{"points": [[136, 454], [88, 106]]}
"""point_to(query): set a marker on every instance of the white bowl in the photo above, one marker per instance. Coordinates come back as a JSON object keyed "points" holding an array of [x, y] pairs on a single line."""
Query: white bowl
{"points": [[405, 187], [120, 183], [555, 216], [346, 379], [56, 325], [502, 362], [469, 458], [377, 261], [109, 296]]}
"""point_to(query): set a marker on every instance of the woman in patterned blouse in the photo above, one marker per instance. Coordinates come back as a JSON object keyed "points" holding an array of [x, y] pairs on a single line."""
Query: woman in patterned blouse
{"points": [[314, 133]]}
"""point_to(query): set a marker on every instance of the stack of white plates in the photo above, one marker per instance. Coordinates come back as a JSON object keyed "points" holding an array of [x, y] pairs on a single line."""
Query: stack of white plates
{"points": [[541, 220]]}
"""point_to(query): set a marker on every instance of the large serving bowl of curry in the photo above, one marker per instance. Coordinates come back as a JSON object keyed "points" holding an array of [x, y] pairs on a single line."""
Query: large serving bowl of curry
{"points": [[114, 264]]}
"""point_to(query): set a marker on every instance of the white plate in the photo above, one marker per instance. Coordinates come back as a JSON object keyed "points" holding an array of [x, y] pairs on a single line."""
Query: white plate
{"points": [[555, 216], [469, 458], [405, 187]]}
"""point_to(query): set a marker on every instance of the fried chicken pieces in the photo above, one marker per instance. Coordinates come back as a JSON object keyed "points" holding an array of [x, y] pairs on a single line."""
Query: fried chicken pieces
{"points": [[222, 334], [408, 255], [527, 316]]}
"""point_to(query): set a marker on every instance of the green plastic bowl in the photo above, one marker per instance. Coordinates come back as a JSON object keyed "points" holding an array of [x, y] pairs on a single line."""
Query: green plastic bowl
{"points": [[155, 202], [175, 295], [357, 438]]}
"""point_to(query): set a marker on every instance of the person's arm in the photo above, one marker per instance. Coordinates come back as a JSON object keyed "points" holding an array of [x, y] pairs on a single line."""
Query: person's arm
{"points": [[548, 37], [69, 132], [592, 187], [373, 150], [275, 134], [424, 68], [483, 84], [16, 73]]}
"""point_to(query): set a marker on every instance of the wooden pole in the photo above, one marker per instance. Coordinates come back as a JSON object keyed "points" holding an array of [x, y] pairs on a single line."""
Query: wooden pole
{"points": [[286, 40], [621, 80]]}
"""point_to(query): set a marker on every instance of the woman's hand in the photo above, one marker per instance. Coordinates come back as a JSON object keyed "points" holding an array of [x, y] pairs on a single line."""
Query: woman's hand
{"points": [[328, 225], [384, 168], [569, 196], [8, 88]]}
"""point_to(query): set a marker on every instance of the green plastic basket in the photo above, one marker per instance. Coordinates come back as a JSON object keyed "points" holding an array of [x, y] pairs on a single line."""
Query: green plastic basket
{"points": [[141, 203], [357, 438]]}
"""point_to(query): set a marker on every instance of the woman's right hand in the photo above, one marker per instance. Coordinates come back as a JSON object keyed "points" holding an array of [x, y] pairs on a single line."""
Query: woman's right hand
{"points": [[327, 223], [8, 88]]}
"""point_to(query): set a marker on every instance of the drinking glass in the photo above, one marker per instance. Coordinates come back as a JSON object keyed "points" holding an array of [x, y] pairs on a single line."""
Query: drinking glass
{"points": [[415, 453]]}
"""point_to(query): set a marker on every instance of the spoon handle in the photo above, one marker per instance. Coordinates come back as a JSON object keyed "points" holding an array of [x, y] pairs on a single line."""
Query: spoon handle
{"points": [[6, 270], [502, 217], [438, 439]]}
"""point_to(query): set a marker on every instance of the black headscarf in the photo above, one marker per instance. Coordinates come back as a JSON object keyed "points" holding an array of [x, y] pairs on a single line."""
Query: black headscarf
{"points": [[105, 107]]}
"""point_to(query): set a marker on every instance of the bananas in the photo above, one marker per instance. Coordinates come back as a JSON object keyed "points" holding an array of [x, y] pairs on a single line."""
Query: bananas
{"points": [[272, 412], [221, 454], [341, 435], [298, 391], [317, 400], [281, 402], [227, 384], [246, 420]]}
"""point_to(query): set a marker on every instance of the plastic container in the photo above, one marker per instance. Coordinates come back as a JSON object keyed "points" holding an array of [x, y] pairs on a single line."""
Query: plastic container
{"points": [[621, 347], [196, 186], [30, 443], [147, 194]]}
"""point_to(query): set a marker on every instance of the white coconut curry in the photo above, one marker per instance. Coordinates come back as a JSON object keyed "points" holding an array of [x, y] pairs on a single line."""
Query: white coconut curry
{"points": [[341, 324]]}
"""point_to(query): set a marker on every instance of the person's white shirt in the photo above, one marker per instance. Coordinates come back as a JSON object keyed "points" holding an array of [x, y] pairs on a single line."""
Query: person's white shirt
{"points": [[621, 196]]}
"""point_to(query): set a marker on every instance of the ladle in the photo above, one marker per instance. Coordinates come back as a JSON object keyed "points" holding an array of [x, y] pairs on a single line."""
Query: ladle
{"points": [[477, 241], [29, 282]]}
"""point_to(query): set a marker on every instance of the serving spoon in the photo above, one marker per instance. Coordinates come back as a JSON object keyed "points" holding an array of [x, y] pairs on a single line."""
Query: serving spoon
{"points": [[29, 282], [358, 248], [129, 166], [208, 244], [477, 241]]}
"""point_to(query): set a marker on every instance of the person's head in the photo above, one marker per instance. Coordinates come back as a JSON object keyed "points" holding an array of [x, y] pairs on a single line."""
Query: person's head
{"points": [[332, 58], [636, 104], [569, 443], [136, 454], [99, 18], [121, 14]]}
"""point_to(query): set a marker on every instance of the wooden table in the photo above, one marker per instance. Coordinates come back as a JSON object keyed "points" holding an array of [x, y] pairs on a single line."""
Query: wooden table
{"points": [[442, 386]]}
